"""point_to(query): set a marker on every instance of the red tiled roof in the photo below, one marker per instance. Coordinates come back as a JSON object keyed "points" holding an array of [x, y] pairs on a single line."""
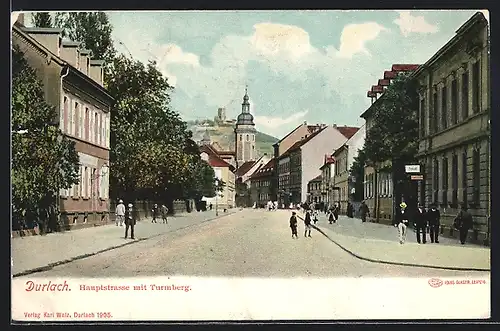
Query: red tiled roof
{"points": [[244, 168], [347, 131], [304, 141], [265, 170], [214, 159]]}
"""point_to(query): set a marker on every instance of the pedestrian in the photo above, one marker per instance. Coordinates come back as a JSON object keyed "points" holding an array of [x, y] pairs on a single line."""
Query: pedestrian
{"points": [[464, 223], [164, 212], [364, 210], [293, 225], [120, 213], [210, 206], [331, 218], [155, 212], [130, 221], [307, 223], [402, 222], [336, 209], [350, 210], [434, 216], [421, 223]]}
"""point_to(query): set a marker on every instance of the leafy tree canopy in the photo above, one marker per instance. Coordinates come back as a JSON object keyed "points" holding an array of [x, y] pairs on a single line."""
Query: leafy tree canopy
{"points": [[42, 20], [43, 160], [394, 133]]}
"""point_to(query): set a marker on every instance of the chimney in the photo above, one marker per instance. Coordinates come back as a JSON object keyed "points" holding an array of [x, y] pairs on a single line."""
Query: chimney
{"points": [[49, 37], [84, 60], [70, 52], [96, 71], [20, 19]]}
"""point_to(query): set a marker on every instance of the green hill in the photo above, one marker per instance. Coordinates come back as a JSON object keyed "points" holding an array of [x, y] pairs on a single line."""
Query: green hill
{"points": [[224, 136]]}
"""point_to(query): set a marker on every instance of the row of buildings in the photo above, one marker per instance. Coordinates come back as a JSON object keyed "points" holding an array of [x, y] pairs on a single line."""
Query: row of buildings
{"points": [[452, 167], [73, 83], [453, 163]]}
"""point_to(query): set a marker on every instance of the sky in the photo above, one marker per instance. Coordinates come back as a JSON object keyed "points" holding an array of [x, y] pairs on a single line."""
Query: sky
{"points": [[313, 65]]}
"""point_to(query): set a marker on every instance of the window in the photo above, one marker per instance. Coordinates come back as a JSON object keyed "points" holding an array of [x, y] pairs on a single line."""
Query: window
{"points": [[89, 182], [96, 126], [99, 130], [435, 185], [64, 122], [248, 138], [476, 88], [71, 118], [81, 119], [241, 137], [445, 181], [465, 95], [422, 117], [86, 124], [104, 120], [444, 104], [454, 180], [81, 185], [434, 124], [464, 178], [476, 161], [454, 106], [76, 116]]}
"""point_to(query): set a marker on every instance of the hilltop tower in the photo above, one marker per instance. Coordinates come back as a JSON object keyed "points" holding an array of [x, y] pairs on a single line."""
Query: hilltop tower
{"points": [[244, 134]]}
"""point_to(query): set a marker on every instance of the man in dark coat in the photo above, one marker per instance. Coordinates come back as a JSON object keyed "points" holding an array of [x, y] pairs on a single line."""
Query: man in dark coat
{"points": [[434, 217], [421, 223], [129, 221], [164, 213], [155, 212], [364, 210], [293, 225], [464, 223]]}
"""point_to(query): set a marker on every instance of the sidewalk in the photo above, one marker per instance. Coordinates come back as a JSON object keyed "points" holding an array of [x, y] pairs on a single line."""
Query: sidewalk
{"points": [[37, 253], [379, 243]]}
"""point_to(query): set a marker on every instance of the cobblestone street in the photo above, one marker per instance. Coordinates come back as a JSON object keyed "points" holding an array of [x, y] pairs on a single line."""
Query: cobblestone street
{"points": [[249, 243]]}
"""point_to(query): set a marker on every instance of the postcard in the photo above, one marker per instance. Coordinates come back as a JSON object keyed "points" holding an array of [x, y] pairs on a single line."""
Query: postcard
{"points": [[250, 165]]}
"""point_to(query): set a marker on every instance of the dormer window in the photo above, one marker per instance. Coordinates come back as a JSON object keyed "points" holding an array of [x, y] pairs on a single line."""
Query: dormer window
{"points": [[59, 47], [77, 59], [88, 65]]}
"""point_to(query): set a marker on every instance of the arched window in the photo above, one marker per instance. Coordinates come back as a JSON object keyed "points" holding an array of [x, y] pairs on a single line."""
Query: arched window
{"points": [[248, 137]]}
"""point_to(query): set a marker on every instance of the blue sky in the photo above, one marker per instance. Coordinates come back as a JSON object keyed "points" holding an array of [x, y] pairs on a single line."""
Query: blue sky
{"points": [[313, 66]]}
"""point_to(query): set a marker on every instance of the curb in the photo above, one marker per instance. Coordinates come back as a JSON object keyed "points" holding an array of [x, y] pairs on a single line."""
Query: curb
{"points": [[397, 263], [83, 256]]}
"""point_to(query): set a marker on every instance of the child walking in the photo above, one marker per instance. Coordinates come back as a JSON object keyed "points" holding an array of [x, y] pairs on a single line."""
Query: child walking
{"points": [[293, 225]]}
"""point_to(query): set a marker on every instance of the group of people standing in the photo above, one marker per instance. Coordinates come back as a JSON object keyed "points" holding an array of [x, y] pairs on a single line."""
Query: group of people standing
{"points": [[430, 219], [126, 216]]}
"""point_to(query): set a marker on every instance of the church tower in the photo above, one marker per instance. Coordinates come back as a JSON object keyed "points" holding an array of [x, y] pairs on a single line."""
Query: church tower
{"points": [[244, 134]]}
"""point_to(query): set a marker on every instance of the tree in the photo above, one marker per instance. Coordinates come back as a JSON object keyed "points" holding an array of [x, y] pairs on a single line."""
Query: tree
{"points": [[93, 30], [358, 172], [394, 134], [42, 20], [43, 159], [153, 155]]}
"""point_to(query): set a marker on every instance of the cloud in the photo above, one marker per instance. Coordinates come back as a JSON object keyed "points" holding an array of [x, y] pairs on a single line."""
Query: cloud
{"points": [[355, 36], [413, 24], [270, 39], [272, 122]]}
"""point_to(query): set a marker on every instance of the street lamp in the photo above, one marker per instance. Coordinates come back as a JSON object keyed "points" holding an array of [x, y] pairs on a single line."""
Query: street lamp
{"points": [[216, 194]]}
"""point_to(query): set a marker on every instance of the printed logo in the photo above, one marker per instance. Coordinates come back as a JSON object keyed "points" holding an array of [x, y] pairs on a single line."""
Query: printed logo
{"points": [[435, 282]]}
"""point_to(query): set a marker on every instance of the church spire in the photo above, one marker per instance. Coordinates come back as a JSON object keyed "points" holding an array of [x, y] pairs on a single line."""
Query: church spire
{"points": [[245, 101]]}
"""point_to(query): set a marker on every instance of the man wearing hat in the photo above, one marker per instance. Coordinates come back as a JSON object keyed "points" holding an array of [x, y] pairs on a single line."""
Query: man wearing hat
{"points": [[129, 221], [434, 222], [402, 222], [120, 213], [421, 223]]}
